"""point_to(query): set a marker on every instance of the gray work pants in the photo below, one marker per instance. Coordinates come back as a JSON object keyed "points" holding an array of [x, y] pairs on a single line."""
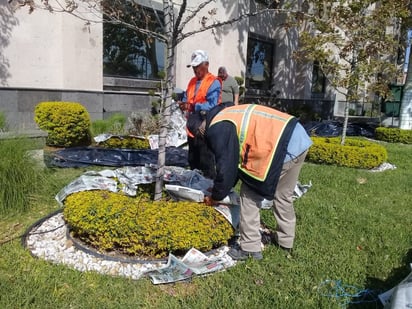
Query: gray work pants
{"points": [[250, 238]]}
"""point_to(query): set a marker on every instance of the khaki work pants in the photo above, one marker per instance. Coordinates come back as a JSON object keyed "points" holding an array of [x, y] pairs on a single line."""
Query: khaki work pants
{"points": [[250, 237]]}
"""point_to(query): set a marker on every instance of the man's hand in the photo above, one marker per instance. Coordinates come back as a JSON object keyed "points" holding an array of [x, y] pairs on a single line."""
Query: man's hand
{"points": [[182, 106], [202, 128], [209, 201]]}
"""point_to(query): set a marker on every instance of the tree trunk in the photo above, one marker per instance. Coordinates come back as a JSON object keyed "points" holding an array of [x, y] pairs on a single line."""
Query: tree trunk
{"points": [[405, 117], [345, 122], [167, 90], [351, 94]]}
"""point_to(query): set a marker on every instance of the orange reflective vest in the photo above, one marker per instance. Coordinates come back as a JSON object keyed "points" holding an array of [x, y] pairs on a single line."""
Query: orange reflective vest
{"points": [[199, 96], [259, 129]]}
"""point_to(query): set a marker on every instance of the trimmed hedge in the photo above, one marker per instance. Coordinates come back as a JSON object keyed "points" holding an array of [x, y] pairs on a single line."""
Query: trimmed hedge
{"points": [[138, 226], [67, 123], [393, 135], [355, 153]]}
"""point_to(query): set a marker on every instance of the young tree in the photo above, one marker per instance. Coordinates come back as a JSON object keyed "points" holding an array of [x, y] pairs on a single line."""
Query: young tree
{"points": [[356, 44], [405, 117], [176, 16]]}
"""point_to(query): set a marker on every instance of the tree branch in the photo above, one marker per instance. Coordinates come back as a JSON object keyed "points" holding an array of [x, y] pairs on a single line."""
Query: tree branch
{"points": [[134, 27], [179, 18], [192, 15], [183, 36], [72, 8]]}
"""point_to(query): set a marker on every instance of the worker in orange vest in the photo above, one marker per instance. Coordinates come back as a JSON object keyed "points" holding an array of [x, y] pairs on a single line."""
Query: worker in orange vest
{"points": [[202, 94], [266, 149]]}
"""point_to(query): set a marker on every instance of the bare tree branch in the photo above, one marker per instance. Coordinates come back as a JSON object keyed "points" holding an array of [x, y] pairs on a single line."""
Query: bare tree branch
{"points": [[179, 18], [159, 20], [183, 36], [134, 27], [193, 14]]}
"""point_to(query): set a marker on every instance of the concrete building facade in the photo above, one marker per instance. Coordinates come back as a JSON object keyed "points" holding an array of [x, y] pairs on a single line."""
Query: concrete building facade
{"points": [[58, 57]]}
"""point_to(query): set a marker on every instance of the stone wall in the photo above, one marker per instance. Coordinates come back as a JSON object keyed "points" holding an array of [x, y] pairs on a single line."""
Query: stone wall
{"points": [[18, 104]]}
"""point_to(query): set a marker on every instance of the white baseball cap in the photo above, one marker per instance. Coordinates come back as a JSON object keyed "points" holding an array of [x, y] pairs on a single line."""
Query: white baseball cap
{"points": [[198, 56]]}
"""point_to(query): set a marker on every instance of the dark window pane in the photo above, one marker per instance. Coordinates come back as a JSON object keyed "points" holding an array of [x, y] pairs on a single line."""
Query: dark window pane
{"points": [[318, 79], [270, 4], [127, 53], [259, 64]]}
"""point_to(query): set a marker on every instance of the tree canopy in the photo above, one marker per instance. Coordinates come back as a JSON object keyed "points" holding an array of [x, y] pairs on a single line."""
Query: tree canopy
{"points": [[356, 43]]}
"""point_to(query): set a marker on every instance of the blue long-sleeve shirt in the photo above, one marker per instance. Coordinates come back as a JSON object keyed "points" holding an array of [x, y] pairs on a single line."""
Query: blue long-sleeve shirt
{"points": [[212, 96], [299, 142]]}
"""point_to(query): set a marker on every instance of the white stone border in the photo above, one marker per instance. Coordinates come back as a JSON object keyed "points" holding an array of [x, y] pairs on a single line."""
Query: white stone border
{"points": [[48, 240]]}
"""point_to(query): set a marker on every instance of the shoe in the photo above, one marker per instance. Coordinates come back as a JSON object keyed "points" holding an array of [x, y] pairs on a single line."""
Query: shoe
{"points": [[287, 250], [234, 242], [240, 255]]}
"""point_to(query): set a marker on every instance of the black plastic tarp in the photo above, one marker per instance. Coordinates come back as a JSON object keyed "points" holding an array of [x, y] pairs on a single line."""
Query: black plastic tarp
{"points": [[332, 128], [84, 156]]}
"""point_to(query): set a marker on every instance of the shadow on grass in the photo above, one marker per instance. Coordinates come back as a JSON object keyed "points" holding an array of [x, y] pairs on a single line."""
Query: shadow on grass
{"points": [[380, 286]]}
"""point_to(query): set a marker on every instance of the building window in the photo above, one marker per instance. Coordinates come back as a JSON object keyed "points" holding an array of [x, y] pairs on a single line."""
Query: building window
{"points": [[259, 64], [127, 53], [318, 79], [267, 4]]}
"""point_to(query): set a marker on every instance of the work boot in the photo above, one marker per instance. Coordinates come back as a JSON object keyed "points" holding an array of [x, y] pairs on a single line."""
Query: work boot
{"points": [[288, 251], [240, 255]]}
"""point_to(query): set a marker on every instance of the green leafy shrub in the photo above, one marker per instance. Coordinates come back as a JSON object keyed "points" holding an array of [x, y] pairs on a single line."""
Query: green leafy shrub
{"points": [[128, 142], [393, 135], [67, 123], [355, 153], [19, 175], [138, 226], [113, 125]]}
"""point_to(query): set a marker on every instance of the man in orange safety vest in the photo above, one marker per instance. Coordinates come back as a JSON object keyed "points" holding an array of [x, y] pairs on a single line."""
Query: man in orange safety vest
{"points": [[202, 94], [264, 148]]}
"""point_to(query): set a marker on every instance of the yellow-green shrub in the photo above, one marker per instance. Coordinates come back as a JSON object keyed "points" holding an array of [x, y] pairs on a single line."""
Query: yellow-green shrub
{"points": [[129, 142], [138, 226], [355, 153], [393, 135], [67, 123]]}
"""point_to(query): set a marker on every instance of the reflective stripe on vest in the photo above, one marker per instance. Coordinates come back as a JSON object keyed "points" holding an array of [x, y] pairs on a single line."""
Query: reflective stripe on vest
{"points": [[259, 129]]}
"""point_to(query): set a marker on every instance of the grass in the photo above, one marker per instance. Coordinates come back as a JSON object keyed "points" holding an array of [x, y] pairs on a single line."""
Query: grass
{"points": [[353, 226], [113, 125], [3, 122], [20, 177]]}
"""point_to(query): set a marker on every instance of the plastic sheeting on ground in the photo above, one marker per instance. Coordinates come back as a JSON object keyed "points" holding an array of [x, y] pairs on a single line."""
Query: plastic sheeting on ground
{"points": [[127, 179], [400, 296], [84, 156], [332, 128]]}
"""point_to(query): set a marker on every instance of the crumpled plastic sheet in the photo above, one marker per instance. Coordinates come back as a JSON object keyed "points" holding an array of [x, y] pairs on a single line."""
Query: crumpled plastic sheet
{"points": [[128, 178], [385, 166], [400, 296], [84, 156], [176, 134]]}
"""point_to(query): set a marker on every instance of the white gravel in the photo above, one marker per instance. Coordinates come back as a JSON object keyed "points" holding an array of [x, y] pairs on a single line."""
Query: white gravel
{"points": [[49, 241]]}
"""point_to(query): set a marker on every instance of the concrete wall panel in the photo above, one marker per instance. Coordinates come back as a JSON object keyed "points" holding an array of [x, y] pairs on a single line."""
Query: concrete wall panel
{"points": [[126, 103], [8, 101]]}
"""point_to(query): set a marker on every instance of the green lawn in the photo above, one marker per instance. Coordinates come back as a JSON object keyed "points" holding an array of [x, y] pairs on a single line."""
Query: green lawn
{"points": [[353, 226]]}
